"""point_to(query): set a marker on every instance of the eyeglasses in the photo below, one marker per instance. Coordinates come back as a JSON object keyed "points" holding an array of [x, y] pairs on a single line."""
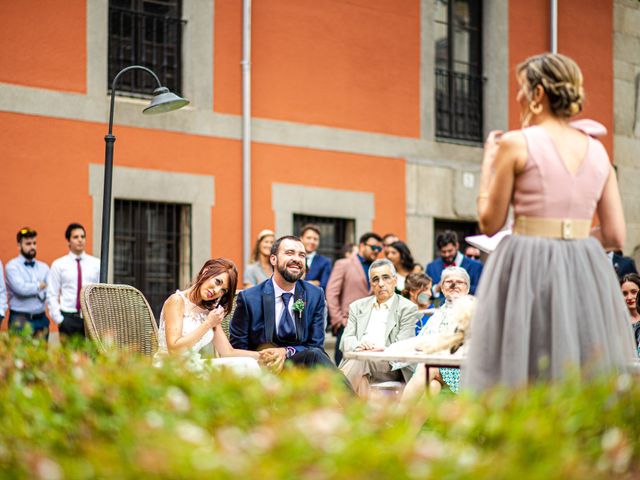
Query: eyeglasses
{"points": [[375, 248], [382, 279], [451, 283]]}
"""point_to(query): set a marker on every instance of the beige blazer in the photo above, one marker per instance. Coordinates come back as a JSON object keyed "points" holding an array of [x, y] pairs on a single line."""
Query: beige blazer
{"points": [[347, 283], [401, 323]]}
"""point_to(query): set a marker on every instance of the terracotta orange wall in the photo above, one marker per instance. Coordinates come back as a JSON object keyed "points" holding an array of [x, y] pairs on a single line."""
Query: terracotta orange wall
{"points": [[45, 178], [585, 31], [43, 44], [351, 65], [385, 177]]}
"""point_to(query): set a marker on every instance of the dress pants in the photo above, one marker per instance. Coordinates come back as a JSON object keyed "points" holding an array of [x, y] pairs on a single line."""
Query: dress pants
{"points": [[317, 357], [39, 323], [72, 325], [360, 373]]}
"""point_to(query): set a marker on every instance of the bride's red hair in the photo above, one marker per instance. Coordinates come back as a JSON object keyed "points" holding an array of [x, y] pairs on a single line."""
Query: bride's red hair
{"points": [[213, 268]]}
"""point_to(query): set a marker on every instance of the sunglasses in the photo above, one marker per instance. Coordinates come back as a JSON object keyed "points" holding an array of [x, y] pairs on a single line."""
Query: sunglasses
{"points": [[24, 231], [475, 257], [375, 248]]}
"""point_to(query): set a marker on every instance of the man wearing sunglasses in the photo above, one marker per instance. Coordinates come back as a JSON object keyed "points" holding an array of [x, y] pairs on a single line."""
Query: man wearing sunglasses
{"points": [[349, 281]]}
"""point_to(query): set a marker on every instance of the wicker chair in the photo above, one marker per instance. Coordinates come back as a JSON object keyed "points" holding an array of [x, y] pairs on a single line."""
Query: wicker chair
{"points": [[118, 316]]}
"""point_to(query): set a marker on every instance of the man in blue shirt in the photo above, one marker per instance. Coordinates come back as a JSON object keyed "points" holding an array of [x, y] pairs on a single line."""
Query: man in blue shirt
{"points": [[27, 286]]}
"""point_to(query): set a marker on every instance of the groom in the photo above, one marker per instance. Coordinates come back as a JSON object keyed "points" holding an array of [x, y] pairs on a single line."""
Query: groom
{"points": [[283, 317]]}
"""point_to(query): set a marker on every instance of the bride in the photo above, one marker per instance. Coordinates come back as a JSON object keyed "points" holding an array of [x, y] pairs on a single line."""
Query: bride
{"points": [[191, 319]]}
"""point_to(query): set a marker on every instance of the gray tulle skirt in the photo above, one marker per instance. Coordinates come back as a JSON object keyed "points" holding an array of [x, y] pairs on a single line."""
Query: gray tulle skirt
{"points": [[545, 308]]}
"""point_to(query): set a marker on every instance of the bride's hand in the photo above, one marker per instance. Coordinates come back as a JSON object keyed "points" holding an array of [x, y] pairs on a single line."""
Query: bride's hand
{"points": [[215, 317], [491, 146]]}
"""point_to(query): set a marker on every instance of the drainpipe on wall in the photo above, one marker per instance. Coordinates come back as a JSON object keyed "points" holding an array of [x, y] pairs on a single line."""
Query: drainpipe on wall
{"points": [[554, 26], [246, 131]]}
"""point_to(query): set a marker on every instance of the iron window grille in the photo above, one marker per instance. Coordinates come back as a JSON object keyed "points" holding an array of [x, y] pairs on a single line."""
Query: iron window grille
{"points": [[147, 33], [152, 248], [334, 232], [458, 72]]}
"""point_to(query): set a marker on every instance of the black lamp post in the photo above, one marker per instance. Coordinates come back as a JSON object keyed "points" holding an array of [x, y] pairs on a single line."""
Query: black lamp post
{"points": [[163, 101]]}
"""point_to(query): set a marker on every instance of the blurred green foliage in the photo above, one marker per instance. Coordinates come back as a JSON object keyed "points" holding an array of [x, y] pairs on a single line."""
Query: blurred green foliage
{"points": [[70, 413]]}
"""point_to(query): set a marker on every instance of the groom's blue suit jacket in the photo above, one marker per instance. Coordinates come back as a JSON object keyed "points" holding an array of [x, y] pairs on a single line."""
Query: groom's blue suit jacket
{"points": [[253, 324]]}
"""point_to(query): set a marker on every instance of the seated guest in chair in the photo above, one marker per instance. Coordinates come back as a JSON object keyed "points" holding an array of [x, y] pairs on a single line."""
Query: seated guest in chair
{"points": [[191, 320], [454, 285], [283, 317], [374, 323]]}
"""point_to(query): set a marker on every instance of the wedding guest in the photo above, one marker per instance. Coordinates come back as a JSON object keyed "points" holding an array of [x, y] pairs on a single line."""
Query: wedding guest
{"points": [[260, 269], [399, 254], [374, 323], [349, 281], [549, 301], [388, 239], [27, 286], [455, 284], [417, 288], [318, 266], [191, 319], [630, 285], [451, 256], [67, 276], [473, 253], [621, 264]]}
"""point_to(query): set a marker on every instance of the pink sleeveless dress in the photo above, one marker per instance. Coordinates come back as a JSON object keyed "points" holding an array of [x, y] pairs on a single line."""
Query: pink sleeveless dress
{"points": [[549, 306]]}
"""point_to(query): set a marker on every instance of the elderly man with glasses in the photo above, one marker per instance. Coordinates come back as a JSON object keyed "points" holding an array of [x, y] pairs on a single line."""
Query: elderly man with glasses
{"points": [[374, 323], [349, 281]]}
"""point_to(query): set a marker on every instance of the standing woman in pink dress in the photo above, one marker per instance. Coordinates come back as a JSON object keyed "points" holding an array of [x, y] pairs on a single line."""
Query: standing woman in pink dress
{"points": [[549, 300]]}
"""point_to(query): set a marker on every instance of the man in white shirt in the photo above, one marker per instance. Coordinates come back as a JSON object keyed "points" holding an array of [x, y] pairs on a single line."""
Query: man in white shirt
{"points": [[374, 323], [67, 276]]}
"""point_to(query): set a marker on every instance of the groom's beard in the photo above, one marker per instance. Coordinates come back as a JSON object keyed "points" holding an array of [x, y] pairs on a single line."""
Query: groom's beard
{"points": [[291, 277]]}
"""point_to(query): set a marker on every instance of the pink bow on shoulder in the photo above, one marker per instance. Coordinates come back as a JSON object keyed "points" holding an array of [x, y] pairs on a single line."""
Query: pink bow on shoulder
{"points": [[590, 127]]}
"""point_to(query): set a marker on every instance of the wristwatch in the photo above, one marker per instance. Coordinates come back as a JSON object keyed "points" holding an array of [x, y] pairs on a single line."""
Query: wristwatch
{"points": [[290, 351]]}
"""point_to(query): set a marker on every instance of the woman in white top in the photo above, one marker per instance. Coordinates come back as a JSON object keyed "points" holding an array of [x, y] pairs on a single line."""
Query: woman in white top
{"points": [[191, 319]]}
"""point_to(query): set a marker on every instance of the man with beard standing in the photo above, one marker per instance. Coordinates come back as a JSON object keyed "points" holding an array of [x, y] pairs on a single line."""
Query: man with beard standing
{"points": [[27, 285], [283, 317]]}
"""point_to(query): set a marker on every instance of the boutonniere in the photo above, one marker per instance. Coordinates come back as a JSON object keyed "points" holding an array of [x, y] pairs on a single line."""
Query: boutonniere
{"points": [[298, 306]]}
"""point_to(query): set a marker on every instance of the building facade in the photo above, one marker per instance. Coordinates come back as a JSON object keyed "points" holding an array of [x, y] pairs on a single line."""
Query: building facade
{"points": [[366, 115]]}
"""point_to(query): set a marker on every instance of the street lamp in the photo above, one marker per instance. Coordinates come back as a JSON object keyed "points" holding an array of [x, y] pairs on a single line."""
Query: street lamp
{"points": [[163, 101]]}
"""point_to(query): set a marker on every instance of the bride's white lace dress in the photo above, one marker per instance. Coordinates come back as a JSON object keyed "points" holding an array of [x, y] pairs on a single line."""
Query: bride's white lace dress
{"points": [[193, 317]]}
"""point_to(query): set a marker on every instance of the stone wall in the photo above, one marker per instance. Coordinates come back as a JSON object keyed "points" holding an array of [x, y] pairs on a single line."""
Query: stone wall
{"points": [[626, 56]]}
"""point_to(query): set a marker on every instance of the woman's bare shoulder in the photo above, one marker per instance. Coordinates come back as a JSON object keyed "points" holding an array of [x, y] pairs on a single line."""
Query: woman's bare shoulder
{"points": [[513, 139]]}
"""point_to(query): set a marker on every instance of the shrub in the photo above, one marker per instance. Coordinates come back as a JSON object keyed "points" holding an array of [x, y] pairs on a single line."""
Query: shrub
{"points": [[74, 414]]}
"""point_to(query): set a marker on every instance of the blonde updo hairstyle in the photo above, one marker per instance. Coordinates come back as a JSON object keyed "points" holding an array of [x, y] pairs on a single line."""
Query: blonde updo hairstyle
{"points": [[561, 79]]}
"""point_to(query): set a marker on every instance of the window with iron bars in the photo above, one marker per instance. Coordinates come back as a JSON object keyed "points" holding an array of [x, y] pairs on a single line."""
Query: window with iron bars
{"points": [[459, 81], [152, 248], [334, 233], [147, 33]]}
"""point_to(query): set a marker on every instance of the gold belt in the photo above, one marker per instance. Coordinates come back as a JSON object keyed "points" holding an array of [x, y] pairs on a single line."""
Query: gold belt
{"points": [[564, 228]]}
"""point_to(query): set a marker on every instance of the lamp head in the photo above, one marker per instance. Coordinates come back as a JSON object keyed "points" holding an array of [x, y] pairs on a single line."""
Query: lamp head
{"points": [[164, 101]]}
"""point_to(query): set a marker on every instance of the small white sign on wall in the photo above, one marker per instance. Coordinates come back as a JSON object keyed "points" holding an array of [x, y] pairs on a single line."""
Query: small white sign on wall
{"points": [[468, 179]]}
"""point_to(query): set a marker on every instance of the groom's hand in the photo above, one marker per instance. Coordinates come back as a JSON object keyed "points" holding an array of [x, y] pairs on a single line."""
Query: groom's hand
{"points": [[273, 358]]}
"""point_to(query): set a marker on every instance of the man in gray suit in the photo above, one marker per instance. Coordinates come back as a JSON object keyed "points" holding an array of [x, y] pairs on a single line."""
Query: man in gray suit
{"points": [[374, 323]]}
